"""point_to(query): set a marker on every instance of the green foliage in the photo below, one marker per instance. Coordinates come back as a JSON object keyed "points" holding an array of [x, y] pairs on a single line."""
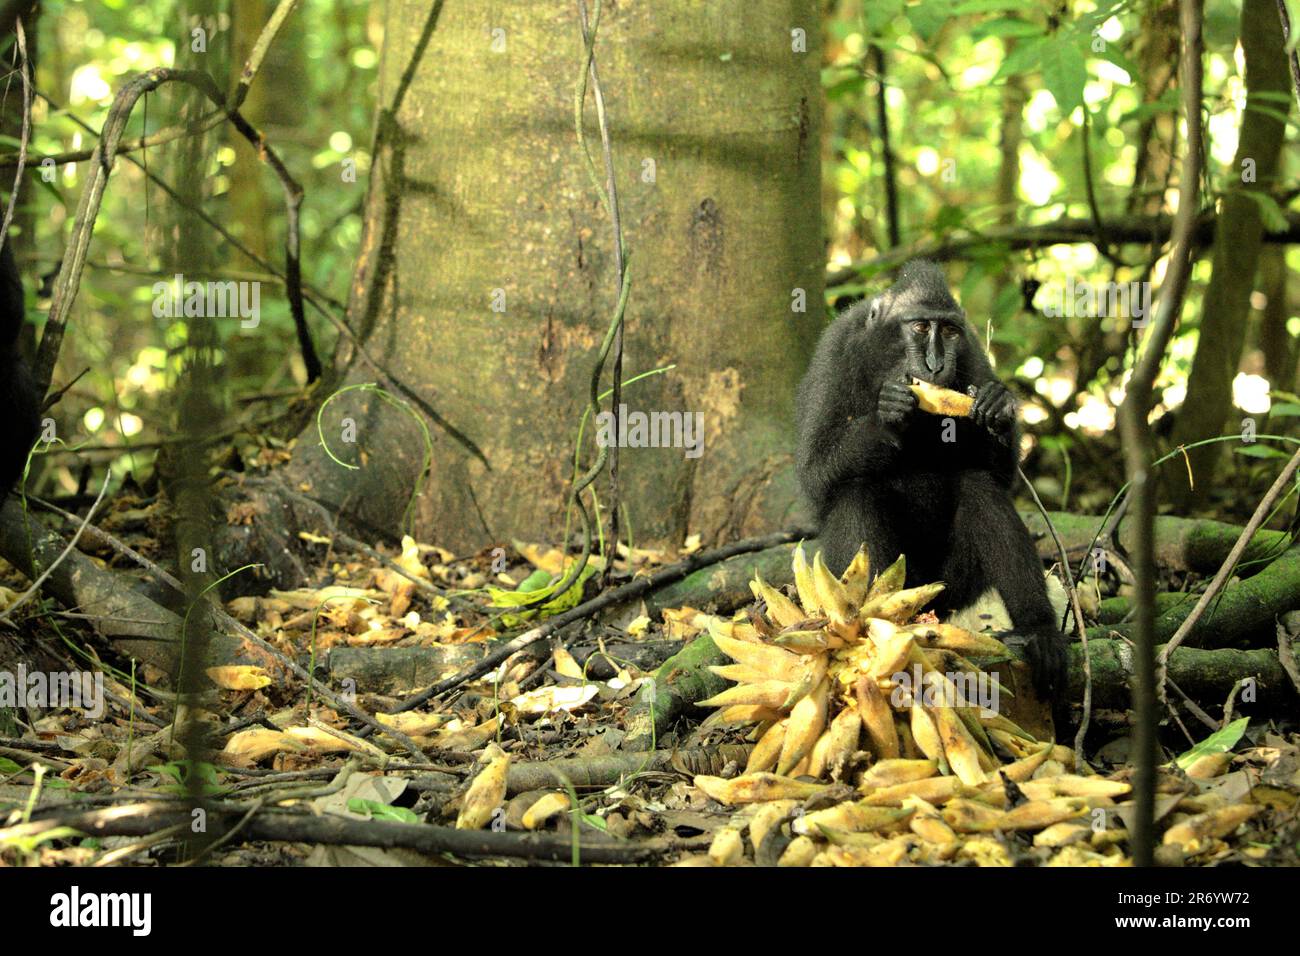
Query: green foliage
{"points": [[314, 99], [1219, 742], [178, 771], [537, 586], [374, 810], [1080, 77], [1260, 451]]}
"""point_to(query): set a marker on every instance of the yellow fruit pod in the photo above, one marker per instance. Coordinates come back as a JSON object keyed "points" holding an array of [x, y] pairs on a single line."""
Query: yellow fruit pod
{"points": [[803, 728], [768, 749], [780, 608], [851, 817], [757, 788], [832, 595], [1193, 833], [889, 580], [877, 718], [857, 578], [803, 581], [941, 401], [486, 792], [901, 606], [769, 693], [546, 808]]}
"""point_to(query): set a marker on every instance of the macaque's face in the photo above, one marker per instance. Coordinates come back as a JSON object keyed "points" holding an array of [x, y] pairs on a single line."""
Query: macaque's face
{"points": [[920, 327], [933, 345]]}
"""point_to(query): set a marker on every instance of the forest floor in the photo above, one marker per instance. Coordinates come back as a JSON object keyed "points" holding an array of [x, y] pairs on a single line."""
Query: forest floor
{"points": [[557, 754]]}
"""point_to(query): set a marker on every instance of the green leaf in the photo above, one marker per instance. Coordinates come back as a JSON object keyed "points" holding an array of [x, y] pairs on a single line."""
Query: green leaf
{"points": [[1271, 213], [179, 770], [166, 770], [499, 597], [1065, 72], [7, 766], [1087, 22], [928, 17], [28, 844], [843, 29], [1006, 27], [1167, 103], [1006, 334], [947, 219], [845, 84], [986, 6], [1272, 113], [1112, 54], [1219, 742], [1293, 15], [382, 811], [1285, 410], [535, 581], [1025, 58], [1259, 451], [880, 13], [1276, 97], [1007, 303]]}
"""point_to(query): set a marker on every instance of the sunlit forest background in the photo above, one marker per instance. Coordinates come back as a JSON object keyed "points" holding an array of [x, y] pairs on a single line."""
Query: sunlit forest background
{"points": [[506, 216], [949, 127], [318, 110]]}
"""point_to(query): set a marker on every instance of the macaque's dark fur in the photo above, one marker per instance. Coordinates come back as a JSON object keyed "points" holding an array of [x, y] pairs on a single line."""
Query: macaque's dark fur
{"points": [[877, 471], [19, 403]]}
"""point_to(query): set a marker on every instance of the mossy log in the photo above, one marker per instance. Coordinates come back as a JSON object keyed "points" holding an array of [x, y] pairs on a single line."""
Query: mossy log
{"points": [[1182, 544], [1116, 610], [137, 625], [1206, 676], [725, 586], [1245, 609], [679, 682]]}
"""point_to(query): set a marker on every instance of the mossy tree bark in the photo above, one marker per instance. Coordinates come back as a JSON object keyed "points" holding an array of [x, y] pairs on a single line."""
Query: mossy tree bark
{"points": [[479, 199]]}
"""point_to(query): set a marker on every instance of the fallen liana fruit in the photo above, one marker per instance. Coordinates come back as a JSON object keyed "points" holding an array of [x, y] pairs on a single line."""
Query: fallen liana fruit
{"points": [[941, 401], [883, 726], [846, 674]]}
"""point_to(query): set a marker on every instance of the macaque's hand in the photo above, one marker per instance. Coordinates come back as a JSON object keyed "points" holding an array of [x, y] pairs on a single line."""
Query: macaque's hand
{"points": [[1046, 652], [995, 408], [895, 404], [1048, 662]]}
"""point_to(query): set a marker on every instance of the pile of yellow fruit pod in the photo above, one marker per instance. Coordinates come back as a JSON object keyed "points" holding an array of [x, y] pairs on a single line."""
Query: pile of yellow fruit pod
{"points": [[853, 766]]}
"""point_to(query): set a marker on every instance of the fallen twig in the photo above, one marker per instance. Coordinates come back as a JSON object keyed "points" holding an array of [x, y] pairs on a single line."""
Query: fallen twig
{"points": [[619, 595], [138, 819]]}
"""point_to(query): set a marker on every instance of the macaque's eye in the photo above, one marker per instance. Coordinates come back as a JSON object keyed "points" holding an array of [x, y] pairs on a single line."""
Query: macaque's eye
{"points": [[951, 332], [920, 328]]}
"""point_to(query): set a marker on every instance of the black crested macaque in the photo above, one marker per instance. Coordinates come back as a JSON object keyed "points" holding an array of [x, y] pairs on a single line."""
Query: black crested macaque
{"points": [[19, 403], [881, 473]]}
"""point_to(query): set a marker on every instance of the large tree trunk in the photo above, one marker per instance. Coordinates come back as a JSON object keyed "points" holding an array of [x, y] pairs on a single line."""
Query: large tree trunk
{"points": [[1157, 55], [1237, 240], [1275, 341], [479, 189]]}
